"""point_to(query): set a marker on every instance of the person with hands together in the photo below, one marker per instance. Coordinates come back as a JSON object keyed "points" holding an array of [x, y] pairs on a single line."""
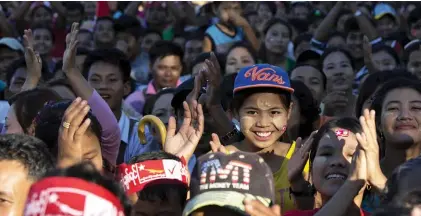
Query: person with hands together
{"points": [[370, 147], [338, 169], [33, 62], [110, 135]]}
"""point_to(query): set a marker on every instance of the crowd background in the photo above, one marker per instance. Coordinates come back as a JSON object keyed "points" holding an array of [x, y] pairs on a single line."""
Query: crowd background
{"points": [[210, 108]]}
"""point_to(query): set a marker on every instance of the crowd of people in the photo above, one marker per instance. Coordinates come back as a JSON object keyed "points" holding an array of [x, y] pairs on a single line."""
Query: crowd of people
{"points": [[210, 108]]}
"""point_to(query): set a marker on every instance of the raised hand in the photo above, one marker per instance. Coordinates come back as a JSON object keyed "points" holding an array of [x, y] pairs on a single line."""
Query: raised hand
{"points": [[216, 145], [199, 82], [370, 146], [32, 58], [256, 208], [368, 55], [69, 57], [237, 19], [184, 142], [299, 159], [71, 132], [212, 71]]}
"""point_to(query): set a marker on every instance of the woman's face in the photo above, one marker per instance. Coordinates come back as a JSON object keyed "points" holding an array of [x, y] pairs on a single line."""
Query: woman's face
{"points": [[312, 78], [414, 63], [91, 151], [11, 125], [277, 39], [331, 164], [401, 117], [162, 108], [339, 72], [384, 61], [236, 59], [43, 41], [104, 31], [263, 118]]}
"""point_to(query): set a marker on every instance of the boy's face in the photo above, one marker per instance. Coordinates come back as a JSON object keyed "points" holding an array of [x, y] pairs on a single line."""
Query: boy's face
{"points": [[108, 81], [228, 7], [146, 208], [43, 41], [167, 71], [104, 31], [132, 43]]}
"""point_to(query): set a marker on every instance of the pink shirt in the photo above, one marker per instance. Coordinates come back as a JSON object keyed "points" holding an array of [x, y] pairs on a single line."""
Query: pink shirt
{"points": [[137, 99]]}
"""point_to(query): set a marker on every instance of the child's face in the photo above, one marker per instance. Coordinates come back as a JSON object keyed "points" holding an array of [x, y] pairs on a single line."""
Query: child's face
{"points": [[147, 208], [43, 41], [263, 117], [228, 7]]}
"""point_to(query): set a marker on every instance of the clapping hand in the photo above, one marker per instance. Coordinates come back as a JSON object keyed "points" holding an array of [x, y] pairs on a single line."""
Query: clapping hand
{"points": [[368, 143], [184, 143], [299, 159], [33, 62]]}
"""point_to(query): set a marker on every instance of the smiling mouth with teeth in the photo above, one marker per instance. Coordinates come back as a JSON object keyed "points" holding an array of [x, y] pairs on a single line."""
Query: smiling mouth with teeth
{"points": [[263, 134], [336, 176]]}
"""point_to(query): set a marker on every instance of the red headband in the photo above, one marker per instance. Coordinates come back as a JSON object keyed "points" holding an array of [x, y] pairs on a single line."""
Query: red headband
{"points": [[134, 177], [71, 196]]}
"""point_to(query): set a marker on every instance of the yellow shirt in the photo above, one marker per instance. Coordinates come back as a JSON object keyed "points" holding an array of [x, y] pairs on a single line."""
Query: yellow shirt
{"points": [[283, 198]]}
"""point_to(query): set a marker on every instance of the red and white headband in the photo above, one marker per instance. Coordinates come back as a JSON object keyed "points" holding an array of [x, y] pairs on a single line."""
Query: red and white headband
{"points": [[134, 177], [71, 196]]}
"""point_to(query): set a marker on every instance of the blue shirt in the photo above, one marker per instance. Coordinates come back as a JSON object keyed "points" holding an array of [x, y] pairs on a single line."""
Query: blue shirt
{"points": [[221, 42]]}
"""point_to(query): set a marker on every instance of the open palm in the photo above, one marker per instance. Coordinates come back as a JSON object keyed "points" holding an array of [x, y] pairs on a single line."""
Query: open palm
{"points": [[69, 57], [184, 143]]}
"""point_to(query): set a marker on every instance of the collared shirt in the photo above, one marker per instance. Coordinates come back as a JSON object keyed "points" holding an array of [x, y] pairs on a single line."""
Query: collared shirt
{"points": [[129, 135], [137, 99]]}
